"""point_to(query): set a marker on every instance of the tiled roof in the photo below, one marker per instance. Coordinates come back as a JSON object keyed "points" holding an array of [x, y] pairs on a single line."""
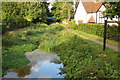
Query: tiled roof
{"points": [[91, 7]]}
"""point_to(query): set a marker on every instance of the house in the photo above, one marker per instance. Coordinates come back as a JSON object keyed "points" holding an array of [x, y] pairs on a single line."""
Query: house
{"points": [[90, 12]]}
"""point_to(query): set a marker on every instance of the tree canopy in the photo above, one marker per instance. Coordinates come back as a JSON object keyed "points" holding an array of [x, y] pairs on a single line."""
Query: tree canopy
{"points": [[20, 13], [112, 9], [62, 10], [27, 10]]}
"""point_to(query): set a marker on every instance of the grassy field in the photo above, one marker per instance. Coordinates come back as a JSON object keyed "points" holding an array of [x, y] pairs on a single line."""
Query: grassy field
{"points": [[82, 58]]}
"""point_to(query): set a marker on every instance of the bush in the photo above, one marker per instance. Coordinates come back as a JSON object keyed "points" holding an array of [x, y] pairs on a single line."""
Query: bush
{"points": [[13, 22], [21, 22], [72, 24], [98, 29], [27, 32], [113, 32], [41, 25], [22, 48]]}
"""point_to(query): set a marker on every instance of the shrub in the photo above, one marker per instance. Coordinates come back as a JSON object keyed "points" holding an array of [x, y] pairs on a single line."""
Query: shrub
{"points": [[72, 24], [21, 22], [113, 32], [22, 48], [13, 22], [12, 60], [23, 38], [41, 25], [27, 32], [98, 29]]}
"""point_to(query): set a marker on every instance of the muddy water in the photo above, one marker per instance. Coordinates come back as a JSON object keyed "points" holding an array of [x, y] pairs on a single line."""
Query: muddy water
{"points": [[42, 65]]}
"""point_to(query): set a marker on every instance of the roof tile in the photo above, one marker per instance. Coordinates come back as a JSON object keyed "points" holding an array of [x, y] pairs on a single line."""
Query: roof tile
{"points": [[92, 7]]}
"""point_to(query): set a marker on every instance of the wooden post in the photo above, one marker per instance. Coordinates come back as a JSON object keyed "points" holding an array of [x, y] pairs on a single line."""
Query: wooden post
{"points": [[104, 41]]}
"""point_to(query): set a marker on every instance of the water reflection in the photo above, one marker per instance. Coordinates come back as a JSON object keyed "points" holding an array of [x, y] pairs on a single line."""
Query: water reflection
{"points": [[42, 65], [22, 71]]}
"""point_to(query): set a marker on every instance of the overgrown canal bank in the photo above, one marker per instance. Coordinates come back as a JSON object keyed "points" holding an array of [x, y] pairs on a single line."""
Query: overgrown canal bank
{"points": [[42, 65], [82, 58]]}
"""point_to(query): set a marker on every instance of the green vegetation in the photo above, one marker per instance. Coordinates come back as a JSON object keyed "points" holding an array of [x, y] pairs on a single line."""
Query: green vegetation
{"points": [[95, 32], [22, 14], [85, 59], [112, 10], [16, 43], [98, 29], [72, 25], [82, 58], [62, 11], [95, 37]]}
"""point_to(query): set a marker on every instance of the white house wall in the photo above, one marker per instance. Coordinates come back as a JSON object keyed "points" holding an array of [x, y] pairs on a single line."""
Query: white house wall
{"points": [[80, 13], [99, 18], [99, 14]]}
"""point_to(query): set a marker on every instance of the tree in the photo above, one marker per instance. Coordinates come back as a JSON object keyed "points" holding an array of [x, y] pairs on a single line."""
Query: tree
{"points": [[34, 10], [62, 10], [18, 14], [112, 10]]}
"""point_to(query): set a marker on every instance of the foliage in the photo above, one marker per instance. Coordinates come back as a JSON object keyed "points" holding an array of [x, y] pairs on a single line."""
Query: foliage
{"points": [[41, 25], [12, 60], [22, 48], [82, 58], [73, 25], [62, 10], [13, 23], [16, 43], [112, 9], [98, 29], [95, 37], [20, 14]]}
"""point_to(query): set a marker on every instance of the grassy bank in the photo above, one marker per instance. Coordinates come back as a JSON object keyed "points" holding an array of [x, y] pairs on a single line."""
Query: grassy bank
{"points": [[95, 37], [90, 32], [16, 43], [82, 58]]}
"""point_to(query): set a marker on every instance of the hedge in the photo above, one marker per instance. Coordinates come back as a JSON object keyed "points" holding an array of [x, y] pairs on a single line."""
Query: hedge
{"points": [[12, 22], [113, 32]]}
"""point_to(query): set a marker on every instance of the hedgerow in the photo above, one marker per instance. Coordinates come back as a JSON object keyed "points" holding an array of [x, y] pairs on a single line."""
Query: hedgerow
{"points": [[98, 29]]}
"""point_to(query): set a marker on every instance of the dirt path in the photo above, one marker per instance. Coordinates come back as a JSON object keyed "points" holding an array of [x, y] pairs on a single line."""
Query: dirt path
{"points": [[96, 41]]}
